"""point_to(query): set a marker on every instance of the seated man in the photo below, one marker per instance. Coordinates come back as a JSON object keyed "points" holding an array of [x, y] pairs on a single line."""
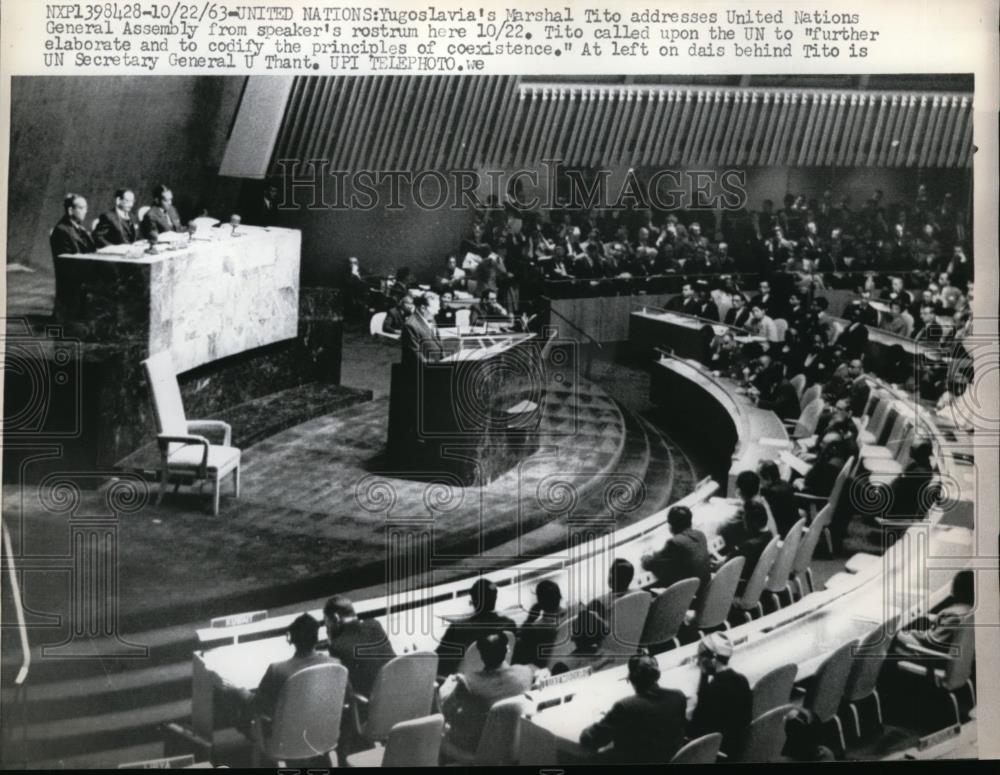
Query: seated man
{"points": [[646, 728], [936, 633], [70, 234], [588, 632], [911, 493], [725, 701], [619, 578], [751, 541], [760, 324], [161, 217], [361, 645], [396, 317], [303, 634], [780, 496], [118, 226], [453, 277], [466, 699], [461, 634], [684, 556], [540, 627], [489, 309]]}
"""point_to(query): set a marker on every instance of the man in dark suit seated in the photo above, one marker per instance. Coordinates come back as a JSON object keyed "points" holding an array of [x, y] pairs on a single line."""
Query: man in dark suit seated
{"points": [[361, 645], [489, 310], [161, 217], [911, 492], [541, 625], [118, 226], [646, 728], [739, 314], [467, 698], [725, 701], [854, 338], [780, 496], [70, 235], [751, 541], [589, 633], [396, 318], [707, 308], [684, 556], [461, 634], [303, 634]]}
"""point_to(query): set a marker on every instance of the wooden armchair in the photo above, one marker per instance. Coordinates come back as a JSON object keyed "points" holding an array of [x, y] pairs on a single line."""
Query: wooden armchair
{"points": [[184, 447]]}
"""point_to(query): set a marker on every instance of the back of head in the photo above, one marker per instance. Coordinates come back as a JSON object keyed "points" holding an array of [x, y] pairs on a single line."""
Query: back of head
{"points": [[484, 595], [679, 519], [769, 471], [922, 450], [304, 632], [339, 607], [622, 573], [549, 595], [643, 672], [492, 650], [589, 630], [747, 484]]}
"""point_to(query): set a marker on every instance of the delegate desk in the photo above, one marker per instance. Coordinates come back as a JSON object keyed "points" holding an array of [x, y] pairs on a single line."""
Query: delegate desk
{"points": [[739, 433], [242, 664], [202, 300], [474, 414]]}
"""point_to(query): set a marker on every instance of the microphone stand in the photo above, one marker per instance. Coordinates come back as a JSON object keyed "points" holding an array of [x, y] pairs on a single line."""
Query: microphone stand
{"points": [[575, 327]]}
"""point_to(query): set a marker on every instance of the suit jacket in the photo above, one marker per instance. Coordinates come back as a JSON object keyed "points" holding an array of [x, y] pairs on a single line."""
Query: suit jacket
{"points": [[751, 548], [265, 699], [780, 496], [738, 317], [853, 339], [112, 229], [460, 635], [646, 728], [709, 310], [910, 497], [421, 342], [467, 707], [684, 556], [69, 237], [157, 220], [724, 705], [363, 648], [394, 321]]}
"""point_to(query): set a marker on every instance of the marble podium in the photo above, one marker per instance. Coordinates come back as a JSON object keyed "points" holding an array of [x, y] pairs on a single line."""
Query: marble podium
{"points": [[204, 301]]}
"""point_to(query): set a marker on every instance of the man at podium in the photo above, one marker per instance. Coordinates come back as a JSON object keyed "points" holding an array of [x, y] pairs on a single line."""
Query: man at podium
{"points": [[421, 341]]}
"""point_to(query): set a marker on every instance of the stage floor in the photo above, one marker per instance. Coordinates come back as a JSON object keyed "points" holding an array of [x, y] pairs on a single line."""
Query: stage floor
{"points": [[316, 501]]}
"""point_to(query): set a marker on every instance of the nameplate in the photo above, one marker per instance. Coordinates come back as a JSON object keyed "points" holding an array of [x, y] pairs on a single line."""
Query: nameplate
{"points": [[562, 678], [238, 620], [167, 763], [938, 737]]}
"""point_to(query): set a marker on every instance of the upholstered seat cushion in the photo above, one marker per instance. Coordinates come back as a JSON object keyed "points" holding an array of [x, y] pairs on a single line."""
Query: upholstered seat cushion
{"points": [[190, 455]]}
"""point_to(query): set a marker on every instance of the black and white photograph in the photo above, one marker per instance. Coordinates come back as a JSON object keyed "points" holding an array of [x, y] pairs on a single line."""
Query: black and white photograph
{"points": [[539, 420]]}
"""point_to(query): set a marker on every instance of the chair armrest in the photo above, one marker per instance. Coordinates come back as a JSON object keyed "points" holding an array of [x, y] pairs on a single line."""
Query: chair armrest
{"points": [[924, 651], [164, 441], [199, 426]]}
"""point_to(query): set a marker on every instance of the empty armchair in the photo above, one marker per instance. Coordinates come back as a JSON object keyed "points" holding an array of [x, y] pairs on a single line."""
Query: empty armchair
{"points": [[404, 690], [666, 615], [749, 602], [701, 750], [415, 743], [184, 449], [628, 616], [766, 736], [773, 689], [956, 674], [826, 690], [718, 598]]}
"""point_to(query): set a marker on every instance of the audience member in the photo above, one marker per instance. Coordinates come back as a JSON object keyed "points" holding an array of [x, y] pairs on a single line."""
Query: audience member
{"points": [[540, 626], [725, 701], [118, 226], [70, 234], [361, 645], [685, 554], [483, 621], [645, 728], [780, 496]]}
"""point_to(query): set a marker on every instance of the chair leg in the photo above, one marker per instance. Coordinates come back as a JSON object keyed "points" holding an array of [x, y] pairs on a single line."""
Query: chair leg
{"points": [[236, 482], [857, 719], [828, 540], [809, 578], [840, 733], [760, 609], [164, 481], [954, 705], [972, 691], [215, 496], [878, 708]]}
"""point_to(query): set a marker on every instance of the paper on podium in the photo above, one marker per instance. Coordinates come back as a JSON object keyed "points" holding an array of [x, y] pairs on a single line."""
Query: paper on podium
{"points": [[171, 236]]}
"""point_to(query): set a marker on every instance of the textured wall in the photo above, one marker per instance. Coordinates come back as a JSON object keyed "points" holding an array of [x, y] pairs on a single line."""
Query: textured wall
{"points": [[92, 135]]}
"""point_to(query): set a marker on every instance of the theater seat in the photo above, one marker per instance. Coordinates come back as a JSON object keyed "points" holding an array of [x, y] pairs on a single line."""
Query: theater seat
{"points": [[415, 743], [701, 750]]}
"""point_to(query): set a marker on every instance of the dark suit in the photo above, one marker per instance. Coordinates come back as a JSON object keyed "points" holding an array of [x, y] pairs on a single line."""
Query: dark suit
{"points": [[910, 494], [394, 321], [157, 220], [468, 706], [460, 635], [724, 705], [363, 648], [780, 497], [646, 728], [112, 229], [853, 339], [70, 237], [751, 548], [684, 556], [709, 310], [738, 317], [421, 342]]}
